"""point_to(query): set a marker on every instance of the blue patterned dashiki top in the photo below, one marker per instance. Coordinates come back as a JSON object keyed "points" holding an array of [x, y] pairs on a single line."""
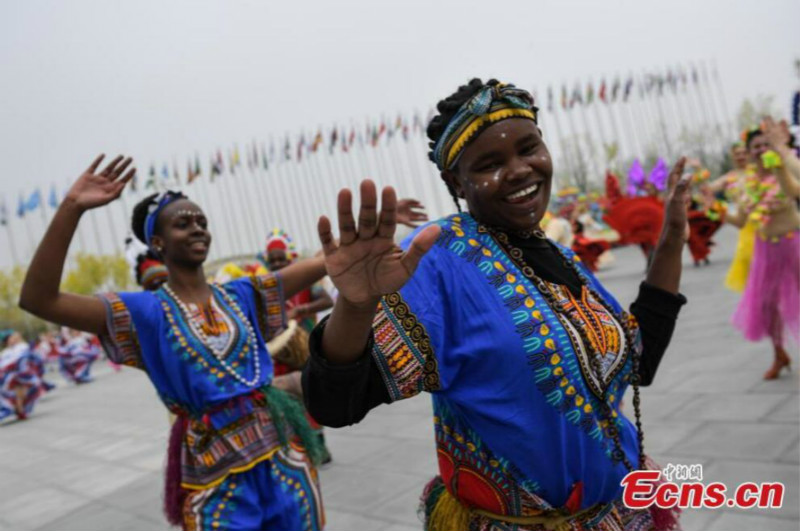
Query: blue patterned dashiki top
{"points": [[226, 432], [516, 410]]}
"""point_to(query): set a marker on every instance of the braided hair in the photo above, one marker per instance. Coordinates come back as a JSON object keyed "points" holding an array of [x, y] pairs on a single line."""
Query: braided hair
{"points": [[447, 108]]}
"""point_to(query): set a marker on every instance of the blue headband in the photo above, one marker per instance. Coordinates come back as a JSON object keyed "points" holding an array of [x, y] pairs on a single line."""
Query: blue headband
{"points": [[154, 210]]}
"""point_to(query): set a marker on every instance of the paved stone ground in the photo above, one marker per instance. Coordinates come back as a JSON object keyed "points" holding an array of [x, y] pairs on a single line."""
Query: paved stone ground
{"points": [[90, 458]]}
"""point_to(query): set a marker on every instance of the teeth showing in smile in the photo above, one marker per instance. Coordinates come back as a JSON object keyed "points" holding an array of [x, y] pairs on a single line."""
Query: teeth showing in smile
{"points": [[522, 193]]}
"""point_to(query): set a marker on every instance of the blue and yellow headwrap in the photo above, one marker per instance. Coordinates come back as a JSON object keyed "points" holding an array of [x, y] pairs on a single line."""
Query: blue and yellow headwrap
{"points": [[490, 105], [161, 201]]}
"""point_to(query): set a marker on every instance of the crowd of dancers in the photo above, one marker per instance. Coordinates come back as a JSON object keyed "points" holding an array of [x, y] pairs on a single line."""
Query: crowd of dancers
{"points": [[24, 367], [494, 310]]}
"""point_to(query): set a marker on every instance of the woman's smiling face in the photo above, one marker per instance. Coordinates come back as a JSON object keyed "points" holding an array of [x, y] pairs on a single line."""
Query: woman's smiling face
{"points": [[505, 176]]}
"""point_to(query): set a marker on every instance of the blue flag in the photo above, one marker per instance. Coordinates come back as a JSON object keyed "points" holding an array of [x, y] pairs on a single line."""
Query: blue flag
{"points": [[34, 201], [53, 197], [21, 207]]}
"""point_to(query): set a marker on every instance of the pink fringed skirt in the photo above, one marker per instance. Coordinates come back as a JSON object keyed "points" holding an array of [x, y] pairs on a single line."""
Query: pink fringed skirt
{"points": [[770, 304]]}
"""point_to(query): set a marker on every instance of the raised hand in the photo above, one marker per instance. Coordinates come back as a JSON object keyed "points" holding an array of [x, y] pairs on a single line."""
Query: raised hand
{"points": [[777, 134], [678, 199], [366, 264], [93, 190], [410, 212]]}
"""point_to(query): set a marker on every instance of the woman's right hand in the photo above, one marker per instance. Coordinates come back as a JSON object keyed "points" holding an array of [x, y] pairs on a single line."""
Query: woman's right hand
{"points": [[366, 264], [93, 190]]}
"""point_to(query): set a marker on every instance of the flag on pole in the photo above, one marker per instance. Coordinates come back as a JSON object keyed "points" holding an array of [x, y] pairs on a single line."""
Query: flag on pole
{"points": [[175, 175], [577, 96], [21, 207], [601, 94], [564, 98], [3, 213], [236, 160], [151, 177], [317, 141], [549, 99], [417, 122], [695, 77], [190, 176], [165, 171], [34, 201], [615, 89], [216, 166], [672, 80], [589, 93], [53, 201], [264, 158], [287, 149], [197, 170], [628, 88], [334, 139], [232, 162], [390, 131], [301, 143]]}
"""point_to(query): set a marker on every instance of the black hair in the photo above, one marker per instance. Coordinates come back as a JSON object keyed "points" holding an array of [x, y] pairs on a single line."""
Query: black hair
{"points": [[751, 135], [447, 108], [139, 216]]}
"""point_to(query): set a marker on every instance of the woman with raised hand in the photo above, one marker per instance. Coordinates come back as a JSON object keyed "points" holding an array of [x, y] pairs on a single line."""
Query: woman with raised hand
{"points": [[526, 355], [240, 452]]}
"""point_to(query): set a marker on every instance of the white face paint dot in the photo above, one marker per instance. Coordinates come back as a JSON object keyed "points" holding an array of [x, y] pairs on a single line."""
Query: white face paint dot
{"points": [[496, 176], [502, 135], [485, 184], [544, 158]]}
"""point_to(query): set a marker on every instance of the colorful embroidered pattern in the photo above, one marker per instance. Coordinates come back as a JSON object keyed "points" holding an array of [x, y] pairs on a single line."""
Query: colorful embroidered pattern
{"points": [[474, 475], [271, 316], [550, 350], [191, 348], [214, 453], [121, 343], [280, 494], [292, 469], [403, 350], [601, 328]]}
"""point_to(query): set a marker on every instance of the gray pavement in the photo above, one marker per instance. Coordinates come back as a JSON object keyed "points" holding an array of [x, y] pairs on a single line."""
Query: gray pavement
{"points": [[90, 458]]}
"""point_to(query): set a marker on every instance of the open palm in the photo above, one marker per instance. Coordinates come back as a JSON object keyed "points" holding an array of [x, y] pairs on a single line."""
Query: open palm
{"points": [[93, 190], [678, 199], [366, 263]]}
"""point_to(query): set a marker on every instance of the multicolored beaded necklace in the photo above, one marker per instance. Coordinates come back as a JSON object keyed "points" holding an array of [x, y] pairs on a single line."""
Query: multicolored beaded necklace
{"points": [[199, 332]]}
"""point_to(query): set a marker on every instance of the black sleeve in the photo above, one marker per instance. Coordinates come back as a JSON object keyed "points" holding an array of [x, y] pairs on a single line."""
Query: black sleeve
{"points": [[656, 311], [340, 395]]}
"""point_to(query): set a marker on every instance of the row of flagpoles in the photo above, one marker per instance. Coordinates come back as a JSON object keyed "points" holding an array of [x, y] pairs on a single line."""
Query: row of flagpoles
{"points": [[289, 182]]}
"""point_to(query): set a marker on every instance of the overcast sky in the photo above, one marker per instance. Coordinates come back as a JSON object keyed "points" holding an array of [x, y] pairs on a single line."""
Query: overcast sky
{"points": [[161, 80]]}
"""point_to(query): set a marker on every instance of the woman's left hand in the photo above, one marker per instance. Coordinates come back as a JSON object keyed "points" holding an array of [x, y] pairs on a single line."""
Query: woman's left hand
{"points": [[678, 198]]}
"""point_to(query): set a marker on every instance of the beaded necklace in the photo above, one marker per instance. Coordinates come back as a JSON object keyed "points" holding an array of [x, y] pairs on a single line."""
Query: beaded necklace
{"points": [[219, 355], [517, 256]]}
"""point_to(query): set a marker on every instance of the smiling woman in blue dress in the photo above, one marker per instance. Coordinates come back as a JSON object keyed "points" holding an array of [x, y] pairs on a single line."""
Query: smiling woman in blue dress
{"points": [[525, 353], [240, 452]]}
